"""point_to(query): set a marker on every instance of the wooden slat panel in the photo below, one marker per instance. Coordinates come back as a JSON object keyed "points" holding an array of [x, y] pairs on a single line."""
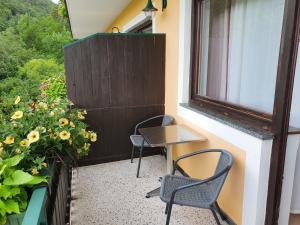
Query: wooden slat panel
{"points": [[100, 72], [116, 63], [114, 126], [77, 74], [120, 80], [85, 79], [70, 78]]}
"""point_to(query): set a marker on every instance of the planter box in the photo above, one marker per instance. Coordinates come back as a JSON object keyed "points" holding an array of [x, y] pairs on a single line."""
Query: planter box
{"points": [[35, 213], [15, 219]]}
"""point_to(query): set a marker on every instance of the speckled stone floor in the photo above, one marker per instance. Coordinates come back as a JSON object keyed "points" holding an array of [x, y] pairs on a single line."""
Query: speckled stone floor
{"points": [[110, 194]]}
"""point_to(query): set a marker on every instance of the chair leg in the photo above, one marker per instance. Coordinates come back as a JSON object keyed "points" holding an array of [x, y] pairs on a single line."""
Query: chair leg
{"points": [[132, 153], [140, 159], [166, 210], [223, 217], [215, 215], [169, 213]]}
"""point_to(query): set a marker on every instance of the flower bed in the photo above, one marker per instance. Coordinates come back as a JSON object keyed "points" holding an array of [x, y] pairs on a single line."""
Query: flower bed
{"points": [[33, 134]]}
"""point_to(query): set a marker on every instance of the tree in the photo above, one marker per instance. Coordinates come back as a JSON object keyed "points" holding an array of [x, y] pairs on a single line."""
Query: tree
{"points": [[10, 10], [40, 69], [47, 35], [13, 53]]}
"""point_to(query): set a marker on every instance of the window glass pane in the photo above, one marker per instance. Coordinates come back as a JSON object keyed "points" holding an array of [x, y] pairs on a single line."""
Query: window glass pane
{"points": [[239, 50]]}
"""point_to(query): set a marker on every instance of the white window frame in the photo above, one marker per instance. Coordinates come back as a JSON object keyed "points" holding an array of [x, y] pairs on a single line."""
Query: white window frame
{"points": [[137, 21]]}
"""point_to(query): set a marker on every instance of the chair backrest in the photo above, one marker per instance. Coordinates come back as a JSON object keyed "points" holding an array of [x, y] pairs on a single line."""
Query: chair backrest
{"points": [[224, 163], [167, 120]]}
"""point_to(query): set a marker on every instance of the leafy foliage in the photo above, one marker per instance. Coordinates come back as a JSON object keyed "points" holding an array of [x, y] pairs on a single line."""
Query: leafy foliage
{"points": [[13, 86], [54, 87], [42, 129], [40, 125], [10, 10], [32, 132], [47, 35], [12, 53], [13, 181], [40, 69], [30, 29]]}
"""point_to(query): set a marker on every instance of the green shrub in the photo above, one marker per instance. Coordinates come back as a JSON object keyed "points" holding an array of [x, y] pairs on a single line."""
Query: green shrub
{"points": [[40, 69], [12, 87], [54, 87]]}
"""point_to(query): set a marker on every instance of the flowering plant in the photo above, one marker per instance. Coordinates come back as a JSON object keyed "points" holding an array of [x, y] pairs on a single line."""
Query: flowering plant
{"points": [[43, 129]]}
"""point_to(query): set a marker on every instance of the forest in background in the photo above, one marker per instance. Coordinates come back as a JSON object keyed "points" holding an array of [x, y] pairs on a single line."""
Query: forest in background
{"points": [[32, 36]]}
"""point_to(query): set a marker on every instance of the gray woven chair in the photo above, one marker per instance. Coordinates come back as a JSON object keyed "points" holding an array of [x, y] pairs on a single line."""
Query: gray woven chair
{"points": [[197, 193], [139, 142]]}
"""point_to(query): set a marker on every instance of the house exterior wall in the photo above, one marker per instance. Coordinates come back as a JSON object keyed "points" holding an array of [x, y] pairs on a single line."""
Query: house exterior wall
{"points": [[244, 194]]}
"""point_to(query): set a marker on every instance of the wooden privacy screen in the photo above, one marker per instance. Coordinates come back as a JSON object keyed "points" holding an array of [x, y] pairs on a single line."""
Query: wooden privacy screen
{"points": [[120, 80]]}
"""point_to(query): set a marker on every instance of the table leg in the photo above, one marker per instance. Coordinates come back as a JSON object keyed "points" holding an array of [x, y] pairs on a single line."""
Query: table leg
{"points": [[156, 191], [153, 193], [169, 159]]}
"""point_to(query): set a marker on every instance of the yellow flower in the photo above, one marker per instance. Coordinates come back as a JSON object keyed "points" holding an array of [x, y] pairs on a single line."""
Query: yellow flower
{"points": [[17, 115], [41, 129], [18, 99], [44, 164], [33, 136], [9, 140], [18, 151], [57, 101], [34, 172], [86, 146], [43, 105], [53, 135], [51, 113], [72, 124], [84, 112], [70, 142], [93, 137], [80, 116], [85, 134], [64, 135], [63, 122], [1, 148], [24, 143]]}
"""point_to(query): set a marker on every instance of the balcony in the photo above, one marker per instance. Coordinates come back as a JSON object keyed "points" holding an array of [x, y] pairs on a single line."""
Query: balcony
{"points": [[112, 194]]}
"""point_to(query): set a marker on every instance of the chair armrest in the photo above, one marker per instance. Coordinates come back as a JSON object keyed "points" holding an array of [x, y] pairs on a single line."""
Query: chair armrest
{"points": [[145, 121], [175, 166], [222, 172]]}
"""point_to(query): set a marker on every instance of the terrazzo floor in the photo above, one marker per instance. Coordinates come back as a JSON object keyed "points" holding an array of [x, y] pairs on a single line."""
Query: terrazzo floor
{"points": [[110, 194]]}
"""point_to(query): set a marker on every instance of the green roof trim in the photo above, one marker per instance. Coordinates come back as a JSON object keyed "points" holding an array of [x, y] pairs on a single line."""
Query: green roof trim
{"points": [[110, 34]]}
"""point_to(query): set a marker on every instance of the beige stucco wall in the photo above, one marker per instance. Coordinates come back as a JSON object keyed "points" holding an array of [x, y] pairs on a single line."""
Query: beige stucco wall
{"points": [[231, 198]]}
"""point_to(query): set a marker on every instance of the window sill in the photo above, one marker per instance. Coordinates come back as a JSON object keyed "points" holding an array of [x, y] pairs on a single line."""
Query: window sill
{"points": [[236, 124]]}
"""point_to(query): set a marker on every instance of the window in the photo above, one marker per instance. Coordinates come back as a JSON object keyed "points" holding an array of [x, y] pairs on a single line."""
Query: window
{"points": [[145, 27], [235, 51]]}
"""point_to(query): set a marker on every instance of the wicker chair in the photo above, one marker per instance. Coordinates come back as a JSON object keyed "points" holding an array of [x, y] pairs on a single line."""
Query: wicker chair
{"points": [[197, 193], [139, 142]]}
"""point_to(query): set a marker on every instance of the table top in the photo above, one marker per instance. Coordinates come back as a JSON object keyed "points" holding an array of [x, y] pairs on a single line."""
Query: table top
{"points": [[175, 134]]}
